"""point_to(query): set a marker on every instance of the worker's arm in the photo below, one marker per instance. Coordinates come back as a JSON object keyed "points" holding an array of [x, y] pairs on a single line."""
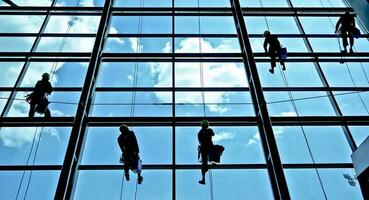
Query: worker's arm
{"points": [[265, 45], [120, 142], [137, 148], [212, 132], [49, 89], [338, 24]]}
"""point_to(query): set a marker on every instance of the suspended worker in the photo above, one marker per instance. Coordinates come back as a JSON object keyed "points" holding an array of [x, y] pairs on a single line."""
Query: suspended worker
{"points": [[346, 27], [130, 152], [38, 98], [275, 50]]}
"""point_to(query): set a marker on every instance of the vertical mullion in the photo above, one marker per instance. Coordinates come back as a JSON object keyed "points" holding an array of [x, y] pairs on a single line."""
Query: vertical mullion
{"points": [[269, 144], [69, 172], [324, 80], [173, 107], [25, 67]]}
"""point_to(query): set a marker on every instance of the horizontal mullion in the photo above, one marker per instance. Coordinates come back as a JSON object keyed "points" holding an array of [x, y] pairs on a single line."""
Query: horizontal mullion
{"points": [[29, 167], [219, 166], [30, 89], [187, 121]]}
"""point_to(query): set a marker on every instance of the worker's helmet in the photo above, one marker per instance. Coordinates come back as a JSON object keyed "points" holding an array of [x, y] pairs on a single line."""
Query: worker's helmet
{"points": [[123, 128], [45, 76], [266, 33], [205, 123]]}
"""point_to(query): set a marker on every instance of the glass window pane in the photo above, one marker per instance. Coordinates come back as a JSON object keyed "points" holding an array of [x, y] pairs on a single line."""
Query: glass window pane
{"points": [[135, 3], [337, 187], [107, 185], [277, 25], [4, 96], [346, 75], [138, 45], [208, 25], [353, 103], [297, 74], [61, 104], [42, 184], [208, 45], [242, 144], [102, 147], [18, 143], [65, 44], [227, 184], [121, 74], [72, 24], [88, 3], [21, 23], [221, 103], [359, 133], [328, 144], [203, 3], [214, 75], [119, 104], [62, 74], [16, 44], [9, 72], [150, 24], [265, 3]]}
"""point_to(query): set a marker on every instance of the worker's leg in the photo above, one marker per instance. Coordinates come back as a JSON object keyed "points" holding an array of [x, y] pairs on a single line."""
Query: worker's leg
{"points": [[47, 113], [344, 40], [351, 38], [32, 107], [126, 170], [272, 61], [281, 60], [204, 166]]}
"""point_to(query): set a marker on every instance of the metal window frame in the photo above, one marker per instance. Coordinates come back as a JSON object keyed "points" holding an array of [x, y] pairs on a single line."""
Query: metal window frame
{"points": [[69, 169]]}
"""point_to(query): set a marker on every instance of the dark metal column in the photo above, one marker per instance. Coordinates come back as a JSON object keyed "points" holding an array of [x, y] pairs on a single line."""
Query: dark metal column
{"points": [[69, 170], [24, 69], [10, 3], [274, 165], [173, 106]]}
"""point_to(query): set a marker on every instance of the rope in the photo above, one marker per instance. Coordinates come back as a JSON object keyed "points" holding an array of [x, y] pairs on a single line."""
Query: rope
{"points": [[52, 71], [121, 187], [303, 131], [211, 184], [28, 158], [201, 63], [136, 189], [265, 18]]}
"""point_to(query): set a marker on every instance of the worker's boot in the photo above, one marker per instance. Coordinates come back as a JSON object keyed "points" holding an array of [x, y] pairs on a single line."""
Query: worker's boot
{"points": [[126, 174], [202, 182], [139, 179]]}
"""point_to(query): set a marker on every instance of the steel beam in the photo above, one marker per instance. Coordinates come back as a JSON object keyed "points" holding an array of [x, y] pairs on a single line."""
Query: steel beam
{"points": [[69, 173], [275, 168]]}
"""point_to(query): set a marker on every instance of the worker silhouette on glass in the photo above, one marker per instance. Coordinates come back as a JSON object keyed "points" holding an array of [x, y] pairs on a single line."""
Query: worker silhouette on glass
{"points": [[128, 144], [345, 27], [38, 98], [206, 145], [274, 50]]}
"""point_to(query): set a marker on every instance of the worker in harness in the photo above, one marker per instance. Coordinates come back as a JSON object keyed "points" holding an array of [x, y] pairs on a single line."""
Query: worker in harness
{"points": [[38, 98], [275, 50], [130, 153]]}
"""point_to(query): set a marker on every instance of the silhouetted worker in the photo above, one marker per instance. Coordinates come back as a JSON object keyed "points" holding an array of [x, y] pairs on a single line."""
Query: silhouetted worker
{"points": [[345, 27], [128, 144], [38, 98], [206, 145], [274, 50]]}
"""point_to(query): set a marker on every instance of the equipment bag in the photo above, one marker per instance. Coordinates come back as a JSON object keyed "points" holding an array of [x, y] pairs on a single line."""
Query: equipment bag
{"points": [[284, 53], [136, 166], [42, 106], [215, 154], [356, 33]]}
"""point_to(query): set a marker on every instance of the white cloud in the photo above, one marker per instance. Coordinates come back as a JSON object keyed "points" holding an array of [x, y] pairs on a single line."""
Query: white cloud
{"points": [[17, 137], [223, 136], [278, 133], [188, 75], [288, 114]]}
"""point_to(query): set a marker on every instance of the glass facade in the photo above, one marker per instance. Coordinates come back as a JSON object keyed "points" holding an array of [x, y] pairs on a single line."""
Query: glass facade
{"points": [[163, 66]]}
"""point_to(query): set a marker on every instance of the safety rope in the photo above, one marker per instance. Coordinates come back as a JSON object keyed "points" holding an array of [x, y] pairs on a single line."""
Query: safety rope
{"points": [[303, 131], [53, 68], [134, 85], [201, 63]]}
